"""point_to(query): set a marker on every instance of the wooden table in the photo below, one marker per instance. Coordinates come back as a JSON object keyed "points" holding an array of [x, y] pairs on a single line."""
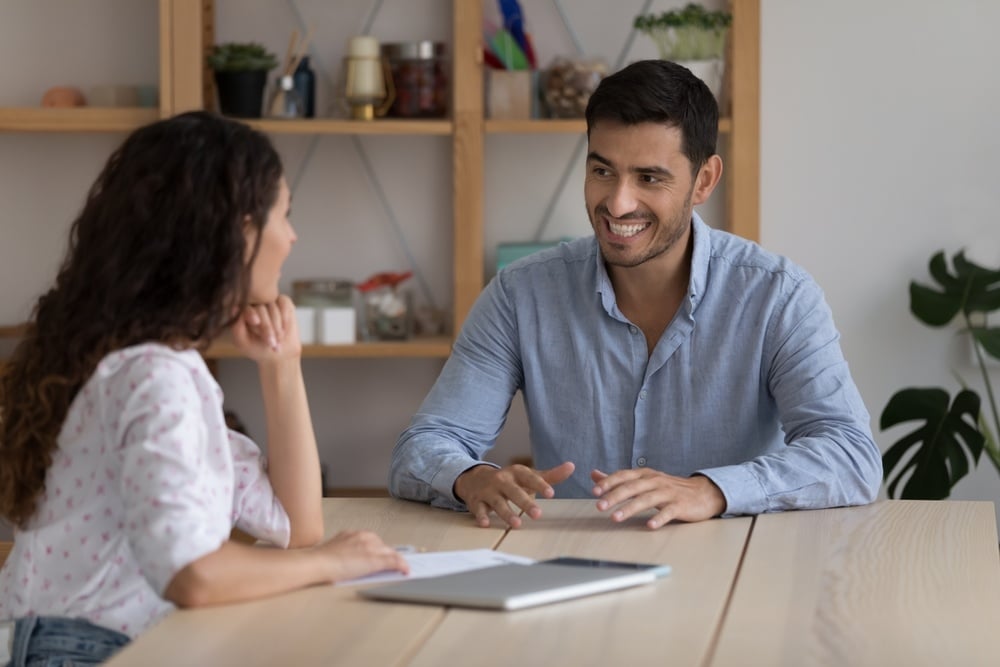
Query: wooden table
{"points": [[896, 582]]}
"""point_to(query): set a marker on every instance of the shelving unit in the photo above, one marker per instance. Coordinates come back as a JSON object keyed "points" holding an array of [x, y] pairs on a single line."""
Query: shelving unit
{"points": [[186, 32]]}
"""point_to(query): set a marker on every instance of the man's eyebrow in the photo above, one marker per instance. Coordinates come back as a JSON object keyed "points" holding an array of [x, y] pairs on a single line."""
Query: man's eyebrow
{"points": [[662, 172], [594, 155]]}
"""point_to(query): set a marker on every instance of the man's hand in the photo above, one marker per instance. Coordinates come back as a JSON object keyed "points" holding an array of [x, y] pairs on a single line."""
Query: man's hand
{"points": [[486, 489], [682, 498]]}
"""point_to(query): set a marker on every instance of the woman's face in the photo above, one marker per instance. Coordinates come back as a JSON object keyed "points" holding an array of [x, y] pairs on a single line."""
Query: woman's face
{"points": [[276, 242]]}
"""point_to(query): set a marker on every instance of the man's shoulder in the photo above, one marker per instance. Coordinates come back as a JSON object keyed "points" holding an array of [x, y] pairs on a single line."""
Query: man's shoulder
{"points": [[730, 252], [566, 256]]}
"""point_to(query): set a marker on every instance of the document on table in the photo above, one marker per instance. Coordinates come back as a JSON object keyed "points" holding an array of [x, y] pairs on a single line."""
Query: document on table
{"points": [[436, 563]]}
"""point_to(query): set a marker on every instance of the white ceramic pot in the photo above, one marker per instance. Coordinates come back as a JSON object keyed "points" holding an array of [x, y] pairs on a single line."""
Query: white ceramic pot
{"points": [[709, 71]]}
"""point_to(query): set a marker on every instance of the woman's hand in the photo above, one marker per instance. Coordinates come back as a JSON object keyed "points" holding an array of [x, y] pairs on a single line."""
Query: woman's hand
{"points": [[268, 331], [355, 553]]}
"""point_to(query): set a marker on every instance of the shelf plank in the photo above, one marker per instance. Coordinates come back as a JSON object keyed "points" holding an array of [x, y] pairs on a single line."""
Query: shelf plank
{"points": [[558, 125], [344, 126], [421, 346], [75, 119], [432, 347]]}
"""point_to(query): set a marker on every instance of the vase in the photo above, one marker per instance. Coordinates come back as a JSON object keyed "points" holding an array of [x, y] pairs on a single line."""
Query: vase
{"points": [[710, 71], [241, 94]]}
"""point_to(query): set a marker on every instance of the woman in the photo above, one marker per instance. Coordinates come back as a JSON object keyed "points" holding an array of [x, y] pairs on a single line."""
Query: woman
{"points": [[116, 467]]}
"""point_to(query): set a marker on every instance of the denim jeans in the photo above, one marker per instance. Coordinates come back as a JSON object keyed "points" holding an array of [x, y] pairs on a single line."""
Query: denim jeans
{"points": [[53, 641]]}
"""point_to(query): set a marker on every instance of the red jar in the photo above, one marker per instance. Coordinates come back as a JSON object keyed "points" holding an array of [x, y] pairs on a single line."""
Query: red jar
{"points": [[420, 78]]}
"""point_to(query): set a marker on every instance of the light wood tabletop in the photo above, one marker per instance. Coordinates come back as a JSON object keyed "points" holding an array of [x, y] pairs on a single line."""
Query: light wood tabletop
{"points": [[670, 621], [893, 583], [896, 582]]}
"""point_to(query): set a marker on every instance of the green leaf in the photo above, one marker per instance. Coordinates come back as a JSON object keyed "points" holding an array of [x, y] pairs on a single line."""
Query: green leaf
{"points": [[989, 338], [933, 308], [944, 441]]}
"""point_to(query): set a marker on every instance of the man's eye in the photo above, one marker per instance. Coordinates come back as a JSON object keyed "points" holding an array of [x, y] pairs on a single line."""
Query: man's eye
{"points": [[649, 178]]}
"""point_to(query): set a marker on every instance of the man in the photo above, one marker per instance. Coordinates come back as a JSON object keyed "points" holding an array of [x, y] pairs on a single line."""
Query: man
{"points": [[665, 365]]}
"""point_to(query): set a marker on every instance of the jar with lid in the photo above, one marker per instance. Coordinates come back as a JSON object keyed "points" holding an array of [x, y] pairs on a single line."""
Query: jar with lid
{"points": [[334, 305], [420, 77]]}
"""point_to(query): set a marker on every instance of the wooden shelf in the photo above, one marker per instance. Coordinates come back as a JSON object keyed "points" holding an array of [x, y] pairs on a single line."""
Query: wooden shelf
{"points": [[426, 347], [76, 119], [558, 125], [344, 126], [432, 347]]}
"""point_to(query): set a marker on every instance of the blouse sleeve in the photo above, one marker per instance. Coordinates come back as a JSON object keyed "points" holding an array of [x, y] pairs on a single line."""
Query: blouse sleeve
{"points": [[256, 510], [172, 479]]}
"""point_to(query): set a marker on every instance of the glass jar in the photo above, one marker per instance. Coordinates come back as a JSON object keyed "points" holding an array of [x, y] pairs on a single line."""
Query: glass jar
{"points": [[567, 85], [420, 78]]}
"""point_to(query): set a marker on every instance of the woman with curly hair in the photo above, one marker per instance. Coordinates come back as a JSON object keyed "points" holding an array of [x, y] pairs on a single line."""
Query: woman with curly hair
{"points": [[116, 467]]}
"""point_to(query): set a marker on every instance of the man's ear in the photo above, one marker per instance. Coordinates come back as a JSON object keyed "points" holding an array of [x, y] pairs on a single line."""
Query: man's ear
{"points": [[706, 179]]}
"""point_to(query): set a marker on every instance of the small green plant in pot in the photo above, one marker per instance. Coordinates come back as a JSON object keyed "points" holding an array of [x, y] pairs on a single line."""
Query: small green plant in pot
{"points": [[694, 37], [240, 76], [950, 434]]}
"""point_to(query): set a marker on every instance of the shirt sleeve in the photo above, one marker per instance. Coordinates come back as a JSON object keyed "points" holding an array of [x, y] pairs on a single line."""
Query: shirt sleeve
{"points": [[174, 493], [256, 509], [830, 458], [459, 421]]}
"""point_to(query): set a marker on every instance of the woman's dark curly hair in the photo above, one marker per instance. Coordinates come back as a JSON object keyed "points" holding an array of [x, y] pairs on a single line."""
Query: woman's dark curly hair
{"points": [[158, 254]]}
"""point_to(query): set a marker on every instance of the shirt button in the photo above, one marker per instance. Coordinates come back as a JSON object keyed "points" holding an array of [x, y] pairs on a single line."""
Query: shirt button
{"points": [[642, 395], [641, 461], [632, 330]]}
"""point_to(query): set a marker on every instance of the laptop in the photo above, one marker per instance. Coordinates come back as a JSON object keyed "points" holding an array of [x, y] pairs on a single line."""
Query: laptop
{"points": [[515, 586]]}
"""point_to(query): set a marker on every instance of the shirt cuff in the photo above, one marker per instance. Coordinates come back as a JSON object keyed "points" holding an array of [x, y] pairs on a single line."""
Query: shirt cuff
{"points": [[743, 491], [444, 478]]}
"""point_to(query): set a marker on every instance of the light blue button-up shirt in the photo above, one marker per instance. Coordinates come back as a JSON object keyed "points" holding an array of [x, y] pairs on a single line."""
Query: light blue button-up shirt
{"points": [[747, 385]]}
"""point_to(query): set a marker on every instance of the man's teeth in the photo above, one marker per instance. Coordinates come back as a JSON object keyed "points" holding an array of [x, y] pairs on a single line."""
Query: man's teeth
{"points": [[627, 230]]}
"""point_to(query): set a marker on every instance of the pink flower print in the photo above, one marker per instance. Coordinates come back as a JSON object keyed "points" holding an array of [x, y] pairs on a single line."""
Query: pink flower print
{"points": [[87, 517], [117, 584], [24, 581], [46, 585], [27, 555], [48, 550], [110, 474], [108, 512], [65, 554], [67, 527], [125, 628], [106, 537], [131, 386], [119, 560], [58, 491], [100, 489], [83, 540], [141, 461], [79, 482], [85, 450], [68, 577], [96, 557], [69, 502]]}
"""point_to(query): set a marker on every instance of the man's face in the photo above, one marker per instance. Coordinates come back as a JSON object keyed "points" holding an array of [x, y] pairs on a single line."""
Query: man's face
{"points": [[638, 190]]}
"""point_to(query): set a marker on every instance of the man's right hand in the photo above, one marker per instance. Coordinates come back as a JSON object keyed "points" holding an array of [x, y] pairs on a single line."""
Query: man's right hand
{"points": [[486, 489]]}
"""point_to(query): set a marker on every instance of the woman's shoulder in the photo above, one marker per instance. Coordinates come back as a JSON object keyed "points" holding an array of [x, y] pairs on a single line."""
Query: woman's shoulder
{"points": [[150, 355]]}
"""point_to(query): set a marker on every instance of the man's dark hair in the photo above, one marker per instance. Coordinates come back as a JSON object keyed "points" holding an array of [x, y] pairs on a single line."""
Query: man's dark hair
{"points": [[660, 91]]}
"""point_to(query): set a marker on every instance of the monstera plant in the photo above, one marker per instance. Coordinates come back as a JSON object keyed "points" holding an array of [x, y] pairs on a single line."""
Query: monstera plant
{"points": [[949, 434]]}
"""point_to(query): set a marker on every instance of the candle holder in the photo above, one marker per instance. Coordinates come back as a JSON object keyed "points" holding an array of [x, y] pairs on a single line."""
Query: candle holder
{"points": [[368, 89]]}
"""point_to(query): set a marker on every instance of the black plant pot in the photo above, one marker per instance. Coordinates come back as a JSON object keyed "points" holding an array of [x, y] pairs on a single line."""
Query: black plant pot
{"points": [[241, 94]]}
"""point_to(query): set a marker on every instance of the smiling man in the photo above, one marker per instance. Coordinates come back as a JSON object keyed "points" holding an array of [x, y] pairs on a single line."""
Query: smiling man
{"points": [[667, 368]]}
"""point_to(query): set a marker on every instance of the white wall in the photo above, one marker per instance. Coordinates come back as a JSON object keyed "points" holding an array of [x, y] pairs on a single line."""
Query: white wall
{"points": [[878, 148], [876, 138]]}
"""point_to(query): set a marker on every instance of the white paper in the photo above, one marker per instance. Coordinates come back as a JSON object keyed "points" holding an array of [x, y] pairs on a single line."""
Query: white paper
{"points": [[436, 563]]}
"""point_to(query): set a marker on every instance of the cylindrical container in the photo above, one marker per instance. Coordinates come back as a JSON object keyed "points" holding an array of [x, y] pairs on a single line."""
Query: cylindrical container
{"points": [[420, 77], [305, 84]]}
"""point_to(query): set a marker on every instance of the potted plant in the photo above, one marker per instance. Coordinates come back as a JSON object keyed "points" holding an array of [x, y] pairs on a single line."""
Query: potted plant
{"points": [[240, 76], [693, 36], [950, 433]]}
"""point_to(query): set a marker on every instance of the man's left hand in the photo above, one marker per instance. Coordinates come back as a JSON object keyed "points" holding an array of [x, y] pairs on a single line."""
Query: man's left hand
{"points": [[629, 492]]}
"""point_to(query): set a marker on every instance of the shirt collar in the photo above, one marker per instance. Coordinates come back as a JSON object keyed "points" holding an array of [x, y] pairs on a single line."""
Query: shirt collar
{"points": [[701, 254]]}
